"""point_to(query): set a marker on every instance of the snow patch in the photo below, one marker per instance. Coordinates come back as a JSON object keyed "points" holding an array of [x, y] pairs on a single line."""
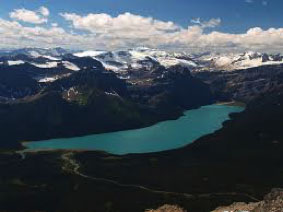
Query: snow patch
{"points": [[50, 58], [70, 66], [112, 93], [88, 53], [46, 65], [15, 62], [48, 79], [168, 62]]}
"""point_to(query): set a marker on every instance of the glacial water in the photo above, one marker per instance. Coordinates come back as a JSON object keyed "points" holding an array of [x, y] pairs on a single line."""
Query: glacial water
{"points": [[159, 137]]}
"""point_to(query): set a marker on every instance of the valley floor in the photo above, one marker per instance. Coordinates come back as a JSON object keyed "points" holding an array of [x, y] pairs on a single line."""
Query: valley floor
{"points": [[242, 162]]}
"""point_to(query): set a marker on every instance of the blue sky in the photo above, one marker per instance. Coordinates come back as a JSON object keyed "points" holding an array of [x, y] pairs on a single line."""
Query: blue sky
{"points": [[237, 15], [218, 24]]}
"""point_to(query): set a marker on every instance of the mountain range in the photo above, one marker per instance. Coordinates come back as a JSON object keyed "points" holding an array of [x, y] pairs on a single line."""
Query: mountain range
{"points": [[39, 66], [123, 61]]}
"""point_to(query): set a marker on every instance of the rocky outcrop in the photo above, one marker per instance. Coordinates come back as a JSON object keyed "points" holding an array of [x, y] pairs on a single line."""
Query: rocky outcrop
{"points": [[238, 207], [167, 208], [273, 202], [243, 85]]}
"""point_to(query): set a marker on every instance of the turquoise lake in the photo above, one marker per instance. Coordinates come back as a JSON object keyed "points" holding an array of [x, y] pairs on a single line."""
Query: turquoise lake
{"points": [[159, 137]]}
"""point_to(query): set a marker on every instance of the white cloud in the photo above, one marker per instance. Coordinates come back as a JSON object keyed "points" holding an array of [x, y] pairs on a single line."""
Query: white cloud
{"points": [[15, 35], [124, 25], [44, 11], [249, 1], [29, 16], [54, 25], [102, 31], [214, 22]]}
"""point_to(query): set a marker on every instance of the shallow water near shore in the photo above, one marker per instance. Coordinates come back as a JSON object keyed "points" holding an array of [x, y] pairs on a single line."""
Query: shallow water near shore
{"points": [[163, 136]]}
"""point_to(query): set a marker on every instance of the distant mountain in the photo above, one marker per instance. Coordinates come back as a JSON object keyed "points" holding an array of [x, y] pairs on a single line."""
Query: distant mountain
{"points": [[139, 58], [146, 58], [124, 62], [230, 62], [231, 76], [36, 52], [136, 66]]}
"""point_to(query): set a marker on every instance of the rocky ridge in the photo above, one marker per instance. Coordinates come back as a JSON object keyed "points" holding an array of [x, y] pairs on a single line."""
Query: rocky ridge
{"points": [[273, 202]]}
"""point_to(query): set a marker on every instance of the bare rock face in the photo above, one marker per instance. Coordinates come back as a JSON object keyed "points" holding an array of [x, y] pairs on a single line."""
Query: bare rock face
{"points": [[238, 207], [167, 208], [243, 85], [273, 202]]}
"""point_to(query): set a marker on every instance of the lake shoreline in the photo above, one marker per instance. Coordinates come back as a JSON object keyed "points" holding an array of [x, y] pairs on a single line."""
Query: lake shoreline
{"points": [[191, 123], [232, 103]]}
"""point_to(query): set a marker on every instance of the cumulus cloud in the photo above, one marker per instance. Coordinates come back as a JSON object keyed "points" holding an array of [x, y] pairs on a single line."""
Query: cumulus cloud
{"points": [[29, 16], [15, 35], [127, 30], [126, 24]]}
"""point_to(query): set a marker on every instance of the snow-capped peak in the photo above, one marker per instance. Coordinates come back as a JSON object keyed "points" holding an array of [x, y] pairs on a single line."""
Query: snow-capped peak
{"points": [[138, 58], [236, 61]]}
